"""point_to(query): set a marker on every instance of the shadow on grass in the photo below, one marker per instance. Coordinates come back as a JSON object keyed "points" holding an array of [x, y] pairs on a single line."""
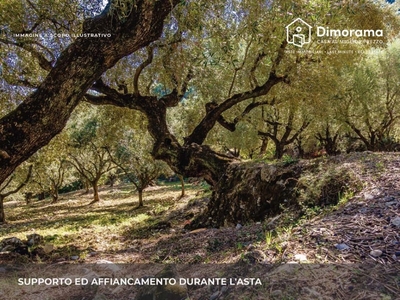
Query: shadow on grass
{"points": [[71, 215]]}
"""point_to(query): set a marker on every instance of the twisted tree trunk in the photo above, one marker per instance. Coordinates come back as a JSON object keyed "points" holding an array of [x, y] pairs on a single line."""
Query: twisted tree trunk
{"points": [[249, 192]]}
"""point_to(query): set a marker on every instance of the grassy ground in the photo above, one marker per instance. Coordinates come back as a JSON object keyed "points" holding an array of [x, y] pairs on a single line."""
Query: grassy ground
{"points": [[115, 231], [75, 228]]}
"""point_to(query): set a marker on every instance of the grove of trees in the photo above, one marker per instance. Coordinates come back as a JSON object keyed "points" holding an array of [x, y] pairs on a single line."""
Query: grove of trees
{"points": [[195, 84]]}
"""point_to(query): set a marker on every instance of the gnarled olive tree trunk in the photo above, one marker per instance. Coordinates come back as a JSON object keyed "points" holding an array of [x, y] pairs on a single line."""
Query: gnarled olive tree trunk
{"points": [[250, 192], [190, 158]]}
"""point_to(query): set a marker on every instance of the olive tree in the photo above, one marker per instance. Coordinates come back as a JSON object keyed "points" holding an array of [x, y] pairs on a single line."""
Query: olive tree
{"points": [[12, 185]]}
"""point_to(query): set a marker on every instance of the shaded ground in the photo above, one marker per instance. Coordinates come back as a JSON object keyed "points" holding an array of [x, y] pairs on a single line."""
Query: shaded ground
{"points": [[335, 243]]}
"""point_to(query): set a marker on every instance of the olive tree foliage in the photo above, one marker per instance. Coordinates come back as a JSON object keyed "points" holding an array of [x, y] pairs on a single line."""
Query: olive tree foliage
{"points": [[13, 185], [369, 102], [284, 125], [87, 153], [224, 58], [298, 114], [127, 143], [33, 34], [50, 75], [242, 143], [50, 168], [134, 161], [91, 162], [220, 62]]}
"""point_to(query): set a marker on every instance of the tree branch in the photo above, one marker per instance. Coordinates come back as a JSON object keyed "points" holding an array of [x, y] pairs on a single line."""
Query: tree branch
{"points": [[21, 82], [185, 84], [231, 126], [253, 78], [298, 132], [200, 133], [28, 176], [112, 96], [268, 135], [75, 71], [7, 183], [103, 100], [43, 62], [237, 69], [359, 133], [171, 99], [141, 68]]}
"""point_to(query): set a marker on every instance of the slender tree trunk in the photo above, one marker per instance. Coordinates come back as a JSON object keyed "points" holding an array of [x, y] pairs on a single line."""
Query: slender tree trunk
{"points": [[2, 214], [86, 186], [279, 150], [96, 197], [54, 194], [140, 192], [112, 178], [28, 198], [41, 196], [182, 186], [263, 148]]}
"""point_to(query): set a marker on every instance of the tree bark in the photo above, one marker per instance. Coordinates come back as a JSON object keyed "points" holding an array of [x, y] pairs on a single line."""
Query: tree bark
{"points": [[330, 144], [45, 112], [41, 196], [28, 198], [263, 148], [86, 186], [2, 213], [140, 193], [263, 192], [279, 150], [96, 197], [194, 160], [182, 186], [54, 195]]}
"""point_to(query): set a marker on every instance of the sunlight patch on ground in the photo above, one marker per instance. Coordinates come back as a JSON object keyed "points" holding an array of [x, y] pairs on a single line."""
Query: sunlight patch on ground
{"points": [[75, 227]]}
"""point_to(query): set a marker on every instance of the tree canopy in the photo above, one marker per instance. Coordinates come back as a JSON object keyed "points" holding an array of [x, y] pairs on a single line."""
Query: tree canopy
{"points": [[45, 111], [196, 71]]}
